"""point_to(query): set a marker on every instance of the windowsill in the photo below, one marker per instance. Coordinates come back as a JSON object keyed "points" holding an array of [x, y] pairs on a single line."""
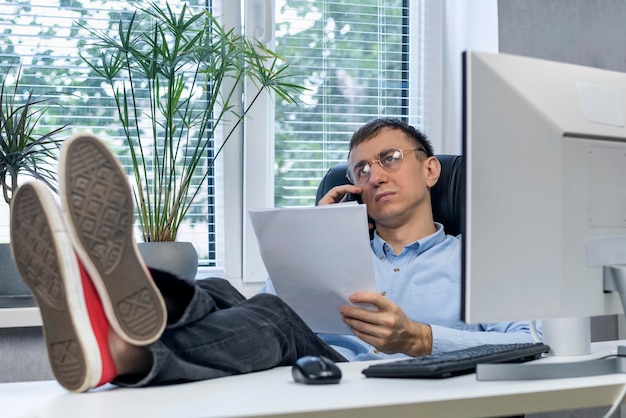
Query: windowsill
{"points": [[30, 316], [20, 317]]}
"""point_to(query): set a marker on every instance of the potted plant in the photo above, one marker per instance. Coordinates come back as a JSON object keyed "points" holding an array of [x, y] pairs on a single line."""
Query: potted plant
{"points": [[23, 150], [188, 69]]}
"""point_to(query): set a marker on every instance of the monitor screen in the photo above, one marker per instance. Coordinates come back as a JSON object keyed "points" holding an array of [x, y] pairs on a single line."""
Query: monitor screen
{"points": [[545, 157]]}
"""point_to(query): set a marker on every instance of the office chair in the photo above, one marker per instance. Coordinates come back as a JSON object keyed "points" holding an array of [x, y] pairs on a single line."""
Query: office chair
{"points": [[447, 196]]}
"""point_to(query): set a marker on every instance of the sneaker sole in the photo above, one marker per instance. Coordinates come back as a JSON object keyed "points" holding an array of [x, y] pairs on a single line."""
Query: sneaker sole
{"points": [[99, 210], [40, 246]]}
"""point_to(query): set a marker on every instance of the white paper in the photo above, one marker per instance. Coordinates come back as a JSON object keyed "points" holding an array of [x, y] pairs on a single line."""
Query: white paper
{"points": [[316, 257]]}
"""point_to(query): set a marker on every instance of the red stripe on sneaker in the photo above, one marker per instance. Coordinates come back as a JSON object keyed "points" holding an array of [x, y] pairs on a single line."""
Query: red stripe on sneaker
{"points": [[100, 326]]}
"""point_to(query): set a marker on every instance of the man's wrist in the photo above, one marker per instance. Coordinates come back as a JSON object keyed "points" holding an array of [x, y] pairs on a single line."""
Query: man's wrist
{"points": [[428, 339], [424, 342]]}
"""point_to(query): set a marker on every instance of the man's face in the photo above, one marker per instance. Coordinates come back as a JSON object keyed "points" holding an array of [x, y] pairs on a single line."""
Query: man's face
{"points": [[397, 197]]}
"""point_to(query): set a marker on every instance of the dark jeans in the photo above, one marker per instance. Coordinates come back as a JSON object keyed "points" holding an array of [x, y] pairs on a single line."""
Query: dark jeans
{"points": [[220, 333]]}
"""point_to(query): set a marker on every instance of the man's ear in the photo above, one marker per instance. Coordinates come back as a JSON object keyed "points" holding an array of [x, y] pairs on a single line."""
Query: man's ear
{"points": [[433, 171]]}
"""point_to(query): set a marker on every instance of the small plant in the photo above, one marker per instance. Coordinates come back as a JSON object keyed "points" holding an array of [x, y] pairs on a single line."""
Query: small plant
{"points": [[23, 150], [187, 70]]}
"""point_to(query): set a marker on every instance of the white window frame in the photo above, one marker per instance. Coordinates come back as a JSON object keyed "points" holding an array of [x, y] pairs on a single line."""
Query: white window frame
{"points": [[248, 167]]}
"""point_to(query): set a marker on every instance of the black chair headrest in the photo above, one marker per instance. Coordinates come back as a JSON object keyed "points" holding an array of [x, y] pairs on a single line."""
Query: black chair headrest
{"points": [[447, 196]]}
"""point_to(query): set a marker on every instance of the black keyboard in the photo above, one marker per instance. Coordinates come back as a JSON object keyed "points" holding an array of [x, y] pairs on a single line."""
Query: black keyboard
{"points": [[454, 363]]}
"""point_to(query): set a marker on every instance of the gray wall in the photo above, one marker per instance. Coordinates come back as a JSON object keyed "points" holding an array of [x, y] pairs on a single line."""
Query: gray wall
{"points": [[585, 32]]}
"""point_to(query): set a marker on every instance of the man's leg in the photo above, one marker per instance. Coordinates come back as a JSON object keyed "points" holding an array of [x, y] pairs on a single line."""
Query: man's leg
{"points": [[77, 276], [218, 332], [212, 329]]}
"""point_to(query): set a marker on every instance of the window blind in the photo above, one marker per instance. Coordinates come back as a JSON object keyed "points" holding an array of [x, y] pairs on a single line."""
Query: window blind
{"points": [[353, 56]]}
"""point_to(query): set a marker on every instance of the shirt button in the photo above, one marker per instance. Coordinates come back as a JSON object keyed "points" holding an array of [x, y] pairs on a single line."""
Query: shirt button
{"points": [[396, 269], [383, 293], [382, 258], [376, 351]]}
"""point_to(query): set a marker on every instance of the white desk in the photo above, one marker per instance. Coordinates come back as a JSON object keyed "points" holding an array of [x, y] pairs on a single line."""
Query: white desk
{"points": [[273, 393]]}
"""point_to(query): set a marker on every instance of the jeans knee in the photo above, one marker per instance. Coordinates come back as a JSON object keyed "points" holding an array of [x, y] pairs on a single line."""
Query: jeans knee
{"points": [[269, 300], [272, 303]]}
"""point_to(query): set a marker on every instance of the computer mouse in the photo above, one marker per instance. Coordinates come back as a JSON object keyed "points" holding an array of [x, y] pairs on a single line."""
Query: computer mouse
{"points": [[315, 370]]}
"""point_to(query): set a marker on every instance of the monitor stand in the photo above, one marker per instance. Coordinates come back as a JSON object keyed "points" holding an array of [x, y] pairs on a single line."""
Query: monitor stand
{"points": [[543, 370], [567, 337], [570, 346]]}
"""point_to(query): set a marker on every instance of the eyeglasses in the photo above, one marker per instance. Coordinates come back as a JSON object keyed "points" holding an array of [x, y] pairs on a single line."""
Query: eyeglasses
{"points": [[389, 158]]}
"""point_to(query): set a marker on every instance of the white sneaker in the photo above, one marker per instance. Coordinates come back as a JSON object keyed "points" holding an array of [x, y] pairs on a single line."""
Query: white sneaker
{"points": [[98, 206]]}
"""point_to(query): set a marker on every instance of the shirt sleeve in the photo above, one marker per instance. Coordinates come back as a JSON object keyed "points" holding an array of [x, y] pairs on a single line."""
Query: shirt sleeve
{"points": [[448, 339]]}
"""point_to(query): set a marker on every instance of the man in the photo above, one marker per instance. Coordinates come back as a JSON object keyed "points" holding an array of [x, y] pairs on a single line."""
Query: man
{"points": [[417, 267], [109, 319]]}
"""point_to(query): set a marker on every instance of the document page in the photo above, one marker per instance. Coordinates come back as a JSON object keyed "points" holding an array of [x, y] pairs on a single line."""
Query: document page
{"points": [[316, 257]]}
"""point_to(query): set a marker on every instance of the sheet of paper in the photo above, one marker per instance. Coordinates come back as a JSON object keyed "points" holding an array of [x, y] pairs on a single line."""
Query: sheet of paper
{"points": [[317, 257]]}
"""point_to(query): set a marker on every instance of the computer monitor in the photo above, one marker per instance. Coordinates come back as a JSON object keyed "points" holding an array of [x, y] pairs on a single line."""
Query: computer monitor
{"points": [[545, 158]]}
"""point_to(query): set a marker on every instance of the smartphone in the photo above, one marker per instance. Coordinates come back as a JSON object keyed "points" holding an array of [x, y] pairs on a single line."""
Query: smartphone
{"points": [[357, 198], [353, 197]]}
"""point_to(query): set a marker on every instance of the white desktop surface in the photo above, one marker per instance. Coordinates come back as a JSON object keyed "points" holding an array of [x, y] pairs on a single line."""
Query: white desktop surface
{"points": [[274, 393]]}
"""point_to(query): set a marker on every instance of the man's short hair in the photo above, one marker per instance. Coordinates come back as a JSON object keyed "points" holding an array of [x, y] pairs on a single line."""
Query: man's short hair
{"points": [[372, 128]]}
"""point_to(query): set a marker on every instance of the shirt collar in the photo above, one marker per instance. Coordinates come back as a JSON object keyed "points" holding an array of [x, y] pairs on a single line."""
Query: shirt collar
{"points": [[381, 247]]}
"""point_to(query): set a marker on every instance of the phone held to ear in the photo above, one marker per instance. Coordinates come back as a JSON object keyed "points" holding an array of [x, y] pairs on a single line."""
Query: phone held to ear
{"points": [[357, 198], [353, 197]]}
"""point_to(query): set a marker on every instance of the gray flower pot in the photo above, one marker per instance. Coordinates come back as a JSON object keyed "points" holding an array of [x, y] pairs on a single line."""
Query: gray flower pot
{"points": [[13, 292], [178, 258]]}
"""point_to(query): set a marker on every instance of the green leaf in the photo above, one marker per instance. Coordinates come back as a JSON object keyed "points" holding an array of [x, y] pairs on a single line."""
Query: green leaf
{"points": [[190, 71]]}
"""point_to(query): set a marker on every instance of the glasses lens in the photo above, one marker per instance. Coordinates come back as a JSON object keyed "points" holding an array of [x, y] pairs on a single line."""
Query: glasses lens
{"points": [[359, 172], [390, 158]]}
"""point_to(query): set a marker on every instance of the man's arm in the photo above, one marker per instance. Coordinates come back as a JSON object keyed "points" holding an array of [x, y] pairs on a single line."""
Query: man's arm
{"points": [[389, 330], [449, 339], [387, 327]]}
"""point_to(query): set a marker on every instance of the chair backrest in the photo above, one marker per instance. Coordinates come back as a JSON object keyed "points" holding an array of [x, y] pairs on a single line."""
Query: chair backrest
{"points": [[447, 196]]}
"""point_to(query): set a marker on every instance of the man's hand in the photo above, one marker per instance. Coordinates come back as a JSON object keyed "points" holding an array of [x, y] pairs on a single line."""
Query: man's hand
{"points": [[338, 194], [387, 328]]}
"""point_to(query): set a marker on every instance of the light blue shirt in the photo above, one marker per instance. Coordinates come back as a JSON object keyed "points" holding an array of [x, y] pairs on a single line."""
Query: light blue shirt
{"points": [[425, 281]]}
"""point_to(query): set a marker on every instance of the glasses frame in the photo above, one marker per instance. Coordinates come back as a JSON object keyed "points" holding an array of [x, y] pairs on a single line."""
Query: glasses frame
{"points": [[349, 170]]}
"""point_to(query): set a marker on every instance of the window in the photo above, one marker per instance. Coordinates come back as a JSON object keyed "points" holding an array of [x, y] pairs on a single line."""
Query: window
{"points": [[47, 38]]}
